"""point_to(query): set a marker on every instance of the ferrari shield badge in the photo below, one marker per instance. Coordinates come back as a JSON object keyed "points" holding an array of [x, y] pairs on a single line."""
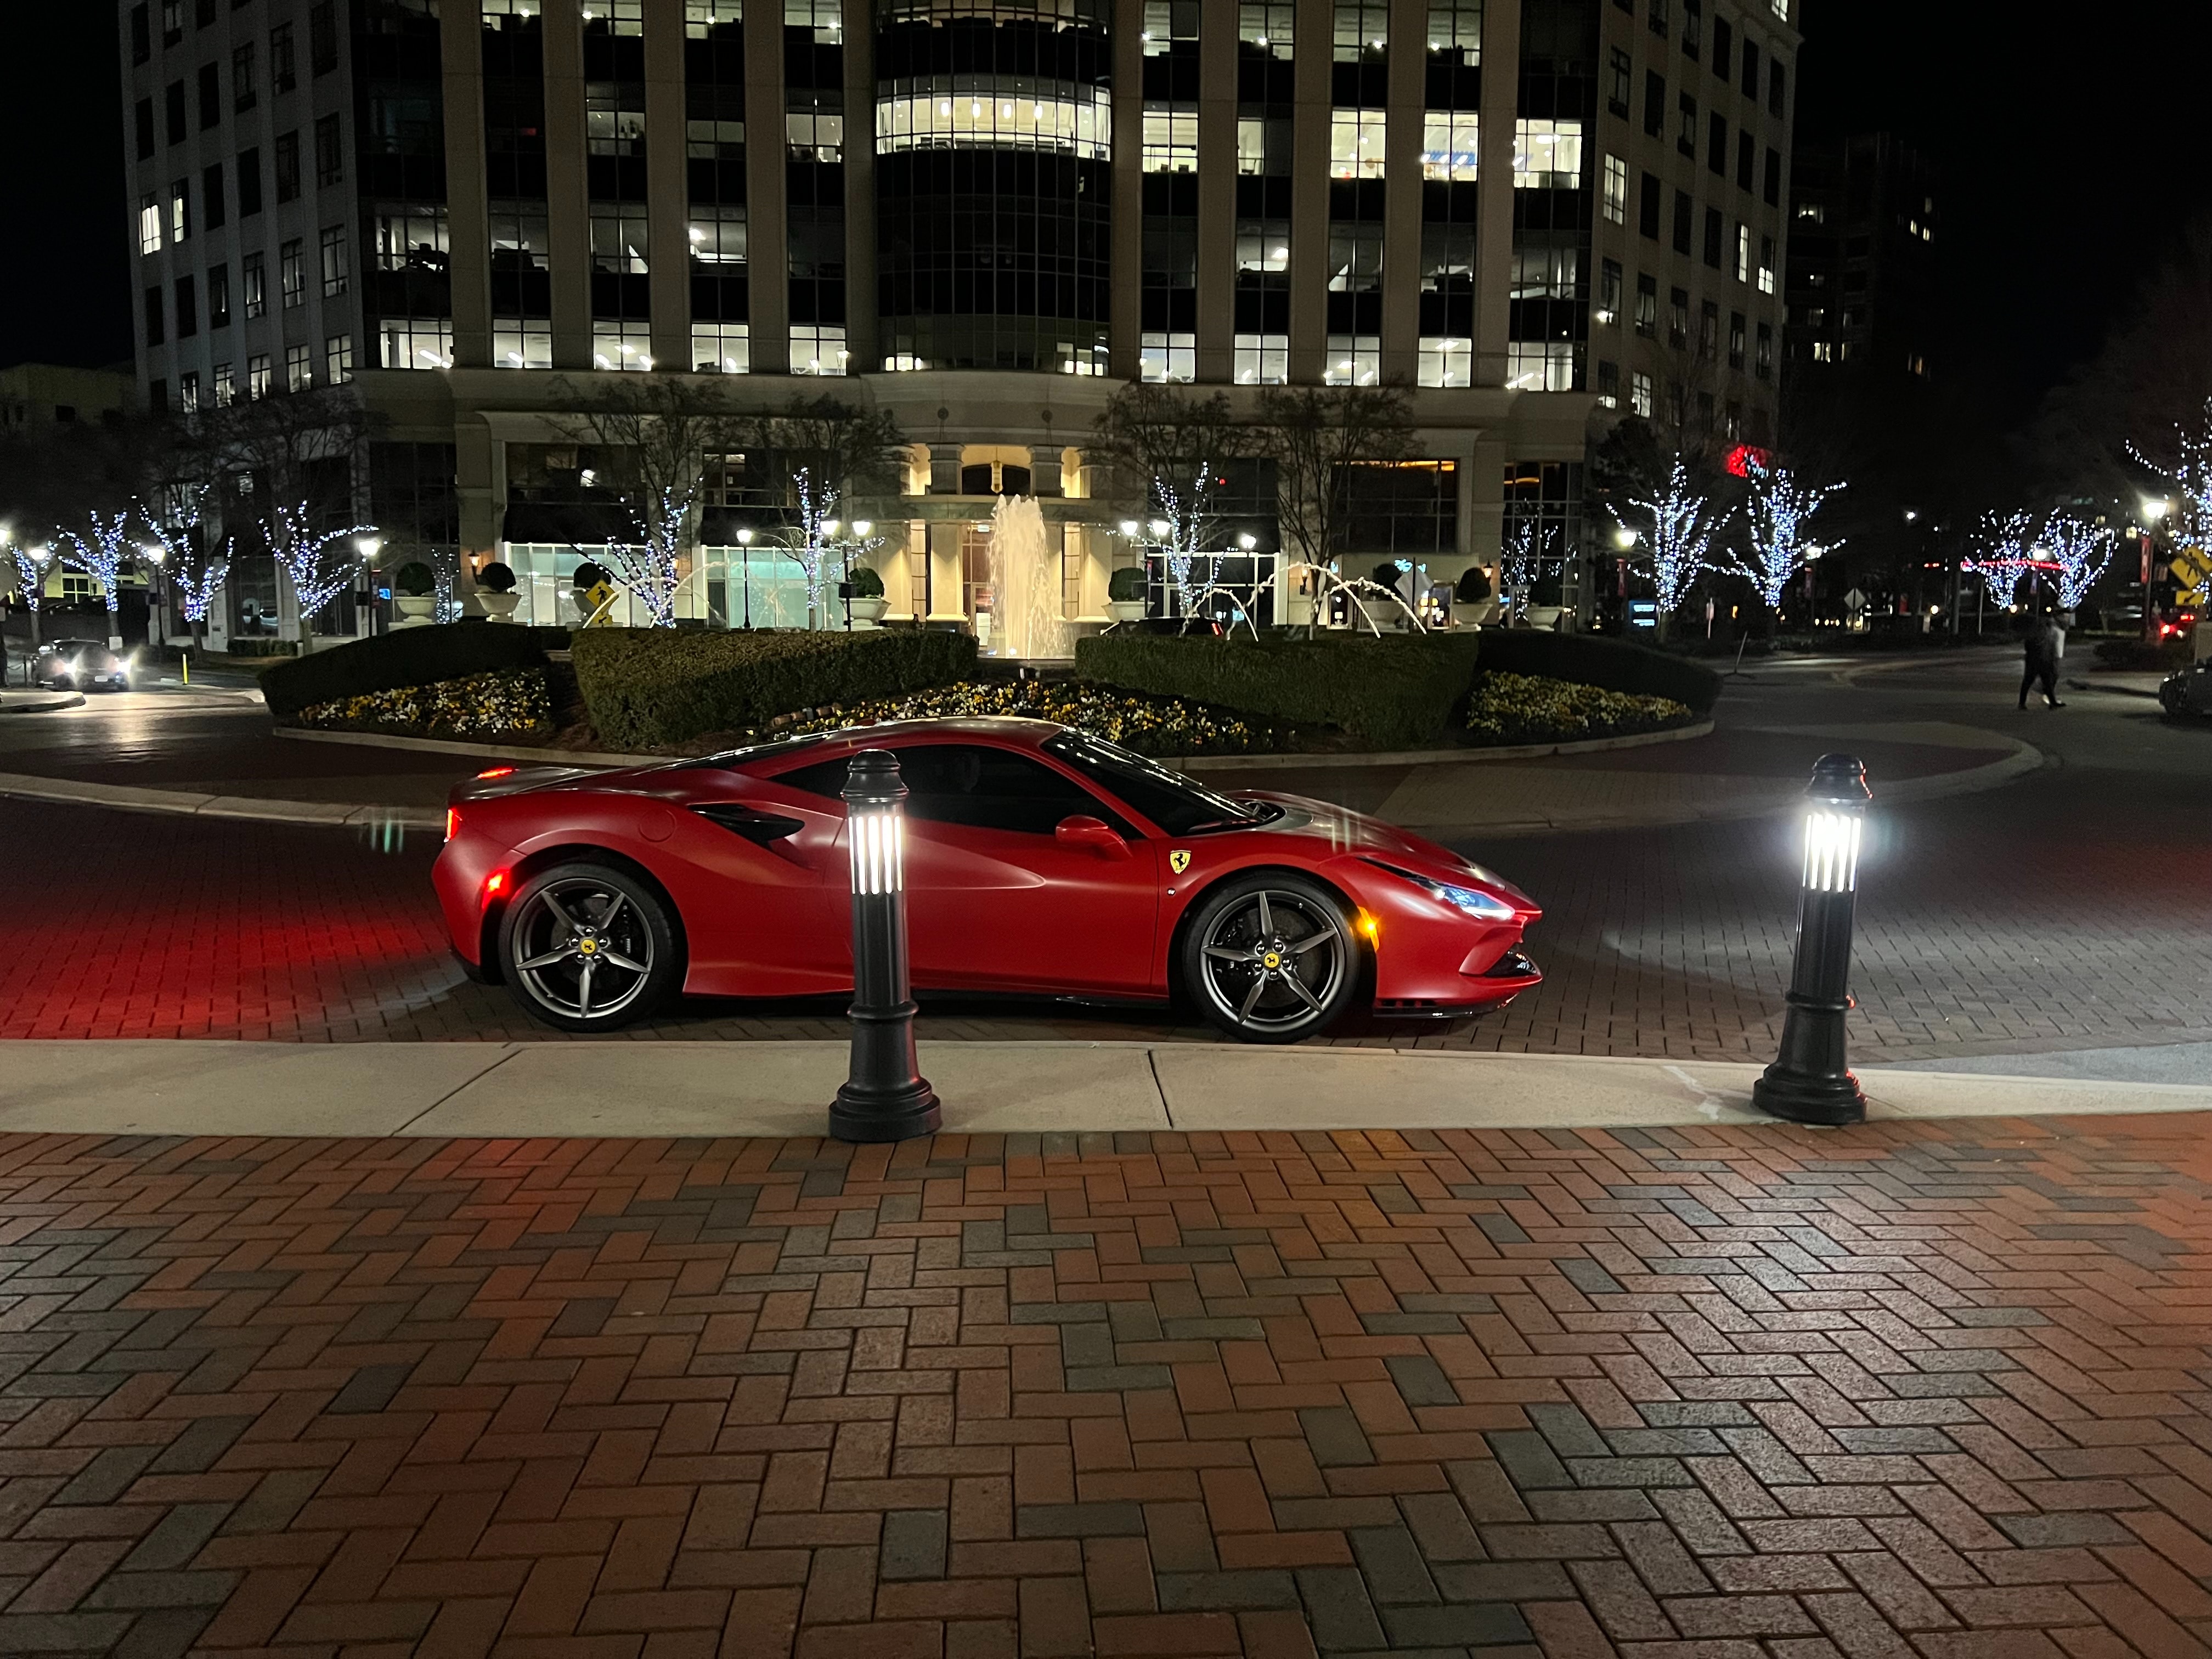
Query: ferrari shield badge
{"points": [[1179, 860]]}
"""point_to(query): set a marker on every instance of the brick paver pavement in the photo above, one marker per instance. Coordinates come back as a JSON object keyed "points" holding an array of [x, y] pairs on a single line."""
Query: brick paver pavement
{"points": [[1931, 1391]]}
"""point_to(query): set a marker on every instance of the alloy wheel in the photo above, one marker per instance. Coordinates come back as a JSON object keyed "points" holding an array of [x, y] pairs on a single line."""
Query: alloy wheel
{"points": [[583, 948], [1274, 960]]}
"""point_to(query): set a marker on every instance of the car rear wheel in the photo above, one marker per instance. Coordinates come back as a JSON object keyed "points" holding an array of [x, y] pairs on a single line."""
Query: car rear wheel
{"points": [[1271, 958], [589, 948]]}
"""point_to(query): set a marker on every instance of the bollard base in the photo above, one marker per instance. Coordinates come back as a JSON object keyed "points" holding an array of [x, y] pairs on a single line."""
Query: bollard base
{"points": [[1803, 1097], [901, 1113]]}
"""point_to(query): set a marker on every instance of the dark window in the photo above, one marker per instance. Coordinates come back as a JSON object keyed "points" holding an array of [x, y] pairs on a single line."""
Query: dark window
{"points": [[1686, 139], [1616, 99], [1678, 318], [219, 296], [154, 334], [1747, 160], [1777, 99], [1693, 28], [283, 67], [1716, 144], [1716, 234], [1773, 191], [145, 119], [211, 96], [249, 183], [141, 33], [1658, 15], [174, 99], [172, 22], [204, 13], [1735, 339], [330, 157], [1647, 213], [1709, 329], [1654, 103], [1751, 69], [1608, 289], [211, 202], [241, 76], [188, 310], [322, 37], [1608, 385], [1647, 306], [157, 399], [972, 785], [1684, 217], [287, 165], [1723, 47]]}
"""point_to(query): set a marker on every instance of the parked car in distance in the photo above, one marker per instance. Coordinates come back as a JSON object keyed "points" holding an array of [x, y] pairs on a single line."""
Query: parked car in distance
{"points": [[2188, 692], [80, 665]]}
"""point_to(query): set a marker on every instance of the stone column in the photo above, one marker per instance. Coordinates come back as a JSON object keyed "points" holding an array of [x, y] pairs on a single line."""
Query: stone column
{"points": [[567, 208], [460, 44], [1493, 244], [946, 597], [768, 259], [668, 240], [1217, 191]]}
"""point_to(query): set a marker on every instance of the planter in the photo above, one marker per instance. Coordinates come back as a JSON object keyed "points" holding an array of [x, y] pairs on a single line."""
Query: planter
{"points": [[1545, 615], [499, 607], [1385, 614], [415, 612], [869, 613], [1125, 610]]}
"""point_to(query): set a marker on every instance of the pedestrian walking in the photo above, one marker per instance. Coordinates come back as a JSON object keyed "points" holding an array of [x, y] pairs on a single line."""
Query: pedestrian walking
{"points": [[2046, 646]]}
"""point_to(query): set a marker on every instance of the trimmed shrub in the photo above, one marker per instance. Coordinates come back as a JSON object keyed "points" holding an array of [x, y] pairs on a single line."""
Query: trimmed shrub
{"points": [[1125, 584], [416, 579], [867, 584], [510, 705], [647, 688], [1392, 693], [406, 656], [1593, 659], [1518, 709], [496, 578], [1472, 587]]}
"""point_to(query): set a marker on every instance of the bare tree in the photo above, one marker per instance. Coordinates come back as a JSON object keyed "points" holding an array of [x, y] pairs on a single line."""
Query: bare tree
{"points": [[1164, 448], [834, 453], [1318, 437]]}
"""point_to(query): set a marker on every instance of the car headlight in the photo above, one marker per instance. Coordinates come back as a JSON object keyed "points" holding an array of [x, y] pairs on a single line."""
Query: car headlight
{"points": [[1467, 900]]}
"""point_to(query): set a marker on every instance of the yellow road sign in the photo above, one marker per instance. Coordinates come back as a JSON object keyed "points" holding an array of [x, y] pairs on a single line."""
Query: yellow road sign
{"points": [[2190, 567]]}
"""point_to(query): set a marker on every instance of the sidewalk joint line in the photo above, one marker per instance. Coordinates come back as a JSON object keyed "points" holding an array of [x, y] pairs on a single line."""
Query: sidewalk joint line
{"points": [[510, 1050]]}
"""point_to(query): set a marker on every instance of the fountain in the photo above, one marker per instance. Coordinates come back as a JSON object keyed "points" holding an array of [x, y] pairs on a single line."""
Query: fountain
{"points": [[1026, 619]]}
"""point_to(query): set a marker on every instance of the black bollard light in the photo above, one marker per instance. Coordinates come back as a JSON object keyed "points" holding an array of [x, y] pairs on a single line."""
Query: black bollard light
{"points": [[1810, 1080], [885, 1097]]}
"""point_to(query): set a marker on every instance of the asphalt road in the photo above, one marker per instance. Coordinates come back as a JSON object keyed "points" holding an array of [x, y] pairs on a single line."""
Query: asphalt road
{"points": [[2058, 923]]}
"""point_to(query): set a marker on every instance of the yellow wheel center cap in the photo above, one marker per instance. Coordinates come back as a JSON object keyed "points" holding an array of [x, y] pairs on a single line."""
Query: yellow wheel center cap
{"points": [[1271, 960], [588, 946]]}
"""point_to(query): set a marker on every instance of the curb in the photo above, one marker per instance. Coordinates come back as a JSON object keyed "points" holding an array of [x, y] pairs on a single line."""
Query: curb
{"points": [[75, 701], [1178, 763], [129, 797], [2025, 758]]}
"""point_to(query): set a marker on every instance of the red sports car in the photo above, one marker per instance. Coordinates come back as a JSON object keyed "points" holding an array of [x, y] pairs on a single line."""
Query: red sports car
{"points": [[1039, 860]]}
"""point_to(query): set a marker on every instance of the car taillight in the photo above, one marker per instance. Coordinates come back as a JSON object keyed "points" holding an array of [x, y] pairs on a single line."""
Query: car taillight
{"points": [[453, 821]]}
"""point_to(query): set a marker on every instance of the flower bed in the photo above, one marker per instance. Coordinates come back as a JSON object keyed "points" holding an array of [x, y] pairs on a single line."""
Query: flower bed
{"points": [[508, 705], [1506, 709], [1148, 725]]}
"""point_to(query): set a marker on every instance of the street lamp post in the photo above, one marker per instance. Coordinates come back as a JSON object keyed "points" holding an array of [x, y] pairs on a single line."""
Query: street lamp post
{"points": [[2154, 510], [885, 1097], [1810, 1080]]}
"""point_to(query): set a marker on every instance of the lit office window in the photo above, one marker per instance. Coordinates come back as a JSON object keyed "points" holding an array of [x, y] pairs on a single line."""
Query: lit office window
{"points": [[1451, 143], [1547, 155]]}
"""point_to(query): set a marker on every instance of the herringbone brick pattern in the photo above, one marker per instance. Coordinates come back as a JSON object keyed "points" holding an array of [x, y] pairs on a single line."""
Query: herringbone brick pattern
{"points": [[1907, 1392]]}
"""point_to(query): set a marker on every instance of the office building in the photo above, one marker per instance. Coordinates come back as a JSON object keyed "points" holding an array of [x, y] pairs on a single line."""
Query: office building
{"points": [[982, 216]]}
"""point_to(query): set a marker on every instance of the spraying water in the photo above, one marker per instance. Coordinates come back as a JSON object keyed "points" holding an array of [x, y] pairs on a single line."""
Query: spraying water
{"points": [[1026, 620]]}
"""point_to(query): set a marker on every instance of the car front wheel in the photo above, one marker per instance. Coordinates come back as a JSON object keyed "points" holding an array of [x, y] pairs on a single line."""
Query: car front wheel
{"points": [[588, 948], [1271, 958]]}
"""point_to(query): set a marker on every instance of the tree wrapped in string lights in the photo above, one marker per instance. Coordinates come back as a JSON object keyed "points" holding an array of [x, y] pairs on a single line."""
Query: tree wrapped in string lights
{"points": [[197, 574], [102, 557], [2001, 553], [2190, 476], [1677, 537], [24, 569], [2073, 553], [1520, 561], [648, 568], [1779, 511], [303, 552]]}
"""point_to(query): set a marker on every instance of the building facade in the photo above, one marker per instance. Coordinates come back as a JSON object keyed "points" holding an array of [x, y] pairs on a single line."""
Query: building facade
{"points": [[55, 394], [1862, 260], [982, 216]]}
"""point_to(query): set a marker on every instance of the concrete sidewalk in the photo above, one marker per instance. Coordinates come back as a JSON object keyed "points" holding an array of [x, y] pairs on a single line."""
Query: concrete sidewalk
{"points": [[663, 1090]]}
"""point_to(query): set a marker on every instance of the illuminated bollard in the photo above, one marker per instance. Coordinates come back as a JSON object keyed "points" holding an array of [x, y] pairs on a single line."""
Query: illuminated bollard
{"points": [[1810, 1080], [885, 1097]]}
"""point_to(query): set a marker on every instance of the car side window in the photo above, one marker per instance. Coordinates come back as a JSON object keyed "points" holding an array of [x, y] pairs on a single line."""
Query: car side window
{"points": [[975, 785]]}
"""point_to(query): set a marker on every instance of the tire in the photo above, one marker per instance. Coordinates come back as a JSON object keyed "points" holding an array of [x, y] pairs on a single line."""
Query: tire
{"points": [[587, 947], [1272, 958]]}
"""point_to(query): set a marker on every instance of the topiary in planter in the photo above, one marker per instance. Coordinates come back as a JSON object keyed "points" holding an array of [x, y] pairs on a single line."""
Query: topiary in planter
{"points": [[414, 579], [867, 584], [587, 577], [1387, 574], [495, 577], [1126, 586], [1472, 587]]}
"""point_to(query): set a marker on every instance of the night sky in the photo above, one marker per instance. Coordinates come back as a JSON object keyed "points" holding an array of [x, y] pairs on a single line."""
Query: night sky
{"points": [[2072, 142]]}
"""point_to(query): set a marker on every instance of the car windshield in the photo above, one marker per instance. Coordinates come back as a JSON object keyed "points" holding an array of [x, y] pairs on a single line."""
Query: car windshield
{"points": [[1177, 805]]}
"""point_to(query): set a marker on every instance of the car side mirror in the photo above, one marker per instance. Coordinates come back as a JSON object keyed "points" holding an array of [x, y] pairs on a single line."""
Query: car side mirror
{"points": [[1094, 833]]}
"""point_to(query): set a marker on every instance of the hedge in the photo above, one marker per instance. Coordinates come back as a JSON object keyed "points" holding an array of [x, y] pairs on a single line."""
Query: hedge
{"points": [[655, 688], [402, 657], [1593, 659], [1394, 693]]}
